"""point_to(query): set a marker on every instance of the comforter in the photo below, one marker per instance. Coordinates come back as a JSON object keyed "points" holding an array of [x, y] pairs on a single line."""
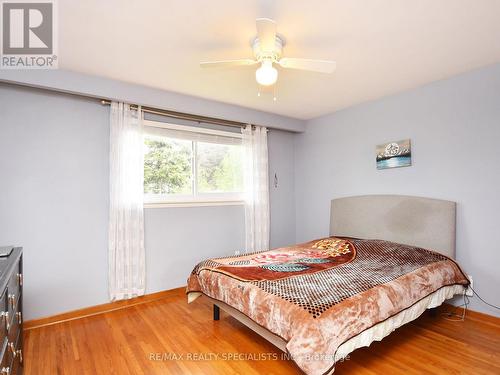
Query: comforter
{"points": [[319, 294]]}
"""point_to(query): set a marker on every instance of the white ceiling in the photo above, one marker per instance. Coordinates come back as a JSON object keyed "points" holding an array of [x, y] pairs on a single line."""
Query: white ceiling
{"points": [[381, 46]]}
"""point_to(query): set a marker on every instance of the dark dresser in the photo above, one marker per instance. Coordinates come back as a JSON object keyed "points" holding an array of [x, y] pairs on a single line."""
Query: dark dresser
{"points": [[11, 307]]}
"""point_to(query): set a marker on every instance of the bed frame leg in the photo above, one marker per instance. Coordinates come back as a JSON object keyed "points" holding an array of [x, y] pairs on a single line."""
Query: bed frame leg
{"points": [[433, 312], [216, 312]]}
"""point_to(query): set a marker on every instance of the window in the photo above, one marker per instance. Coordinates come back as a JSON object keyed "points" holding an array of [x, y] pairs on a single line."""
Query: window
{"points": [[191, 165]]}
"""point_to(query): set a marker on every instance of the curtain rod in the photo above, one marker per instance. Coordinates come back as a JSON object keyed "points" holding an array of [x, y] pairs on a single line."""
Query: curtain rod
{"points": [[185, 116]]}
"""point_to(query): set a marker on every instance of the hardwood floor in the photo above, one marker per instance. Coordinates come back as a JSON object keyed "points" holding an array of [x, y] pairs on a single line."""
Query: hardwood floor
{"points": [[133, 340]]}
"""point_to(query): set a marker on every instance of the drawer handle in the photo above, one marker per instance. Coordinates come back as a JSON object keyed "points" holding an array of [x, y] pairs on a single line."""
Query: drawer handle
{"points": [[5, 314], [20, 279], [5, 371], [12, 300], [16, 353], [19, 317]]}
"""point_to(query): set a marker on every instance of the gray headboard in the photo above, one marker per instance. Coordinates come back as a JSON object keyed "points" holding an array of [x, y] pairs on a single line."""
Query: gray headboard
{"points": [[423, 222]]}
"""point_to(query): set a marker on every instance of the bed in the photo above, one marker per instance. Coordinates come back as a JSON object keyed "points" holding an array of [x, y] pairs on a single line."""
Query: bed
{"points": [[388, 258]]}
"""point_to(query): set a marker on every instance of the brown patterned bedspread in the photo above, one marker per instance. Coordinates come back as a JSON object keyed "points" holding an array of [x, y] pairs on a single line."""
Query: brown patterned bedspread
{"points": [[319, 294]]}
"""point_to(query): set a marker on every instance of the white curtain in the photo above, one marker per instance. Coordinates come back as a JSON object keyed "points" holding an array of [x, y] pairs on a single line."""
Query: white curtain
{"points": [[256, 178], [126, 217]]}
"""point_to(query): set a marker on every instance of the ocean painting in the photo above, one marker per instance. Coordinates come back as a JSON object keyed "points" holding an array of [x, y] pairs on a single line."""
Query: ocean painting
{"points": [[394, 154]]}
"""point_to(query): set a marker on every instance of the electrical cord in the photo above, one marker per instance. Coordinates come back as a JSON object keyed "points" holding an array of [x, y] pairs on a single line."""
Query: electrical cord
{"points": [[453, 316], [478, 296]]}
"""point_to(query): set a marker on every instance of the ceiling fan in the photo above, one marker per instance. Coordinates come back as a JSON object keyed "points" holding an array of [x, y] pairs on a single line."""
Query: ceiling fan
{"points": [[267, 49]]}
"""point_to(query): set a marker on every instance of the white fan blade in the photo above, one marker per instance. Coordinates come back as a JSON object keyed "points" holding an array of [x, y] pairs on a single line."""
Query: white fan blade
{"points": [[227, 63], [266, 32], [320, 66]]}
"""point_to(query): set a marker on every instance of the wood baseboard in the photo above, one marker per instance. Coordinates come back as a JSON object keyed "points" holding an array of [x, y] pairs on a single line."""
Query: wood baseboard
{"points": [[100, 309], [117, 305], [471, 314]]}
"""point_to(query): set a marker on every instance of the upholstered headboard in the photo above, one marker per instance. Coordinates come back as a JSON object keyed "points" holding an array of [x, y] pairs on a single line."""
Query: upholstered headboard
{"points": [[417, 221]]}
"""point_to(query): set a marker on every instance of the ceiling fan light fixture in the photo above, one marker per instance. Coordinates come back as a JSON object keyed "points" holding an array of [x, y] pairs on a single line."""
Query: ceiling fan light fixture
{"points": [[267, 49], [267, 74]]}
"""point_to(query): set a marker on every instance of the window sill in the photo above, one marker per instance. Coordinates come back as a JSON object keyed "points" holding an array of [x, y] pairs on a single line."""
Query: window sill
{"points": [[193, 204]]}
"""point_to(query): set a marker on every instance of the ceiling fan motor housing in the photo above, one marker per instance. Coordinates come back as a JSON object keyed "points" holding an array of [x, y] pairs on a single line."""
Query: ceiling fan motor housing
{"points": [[273, 55]]}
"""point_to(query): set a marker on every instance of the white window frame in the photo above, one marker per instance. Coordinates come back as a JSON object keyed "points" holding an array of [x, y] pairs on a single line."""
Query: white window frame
{"points": [[195, 199]]}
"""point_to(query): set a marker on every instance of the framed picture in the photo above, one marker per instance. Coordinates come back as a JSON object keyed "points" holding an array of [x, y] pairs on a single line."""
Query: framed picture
{"points": [[394, 154]]}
